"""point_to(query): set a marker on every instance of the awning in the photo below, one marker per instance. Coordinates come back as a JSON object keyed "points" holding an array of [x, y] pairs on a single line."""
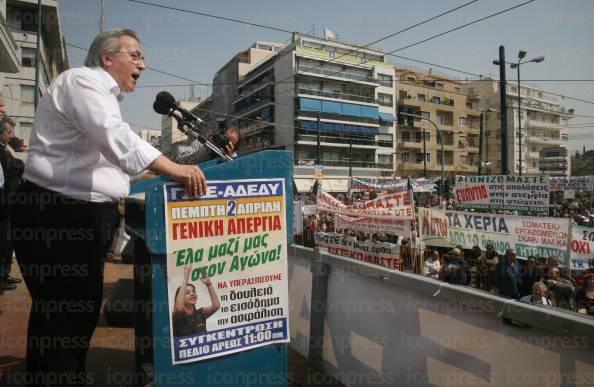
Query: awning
{"points": [[335, 185], [304, 185], [386, 117]]}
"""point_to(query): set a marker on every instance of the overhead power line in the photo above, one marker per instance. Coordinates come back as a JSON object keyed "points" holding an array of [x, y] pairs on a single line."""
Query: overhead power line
{"points": [[462, 26]]}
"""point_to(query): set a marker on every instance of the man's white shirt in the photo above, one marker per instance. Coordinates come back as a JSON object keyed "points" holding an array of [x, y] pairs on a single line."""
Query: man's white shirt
{"points": [[80, 146]]}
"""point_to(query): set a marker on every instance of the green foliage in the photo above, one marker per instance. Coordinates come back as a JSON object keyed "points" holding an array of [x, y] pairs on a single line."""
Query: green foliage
{"points": [[583, 164]]}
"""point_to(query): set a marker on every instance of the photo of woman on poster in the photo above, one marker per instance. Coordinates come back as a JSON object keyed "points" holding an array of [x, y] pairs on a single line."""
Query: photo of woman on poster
{"points": [[186, 319]]}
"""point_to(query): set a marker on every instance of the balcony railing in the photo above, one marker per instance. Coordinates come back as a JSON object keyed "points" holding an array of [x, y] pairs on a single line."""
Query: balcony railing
{"points": [[339, 117], [337, 73], [357, 164], [331, 94], [311, 136], [546, 140]]}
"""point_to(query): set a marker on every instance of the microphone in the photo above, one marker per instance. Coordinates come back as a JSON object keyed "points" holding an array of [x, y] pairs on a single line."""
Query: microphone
{"points": [[165, 104]]}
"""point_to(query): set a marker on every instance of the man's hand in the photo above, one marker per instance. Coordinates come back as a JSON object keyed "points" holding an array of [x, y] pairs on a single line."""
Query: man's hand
{"points": [[189, 175], [230, 148], [192, 177], [187, 271]]}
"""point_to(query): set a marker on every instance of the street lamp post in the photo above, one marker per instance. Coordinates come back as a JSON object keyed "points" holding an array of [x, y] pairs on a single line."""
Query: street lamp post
{"points": [[424, 151], [522, 55]]}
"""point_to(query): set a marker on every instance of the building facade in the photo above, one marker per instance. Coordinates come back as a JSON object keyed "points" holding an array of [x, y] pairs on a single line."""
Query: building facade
{"points": [[9, 61], [19, 88], [544, 135], [442, 101], [330, 103]]}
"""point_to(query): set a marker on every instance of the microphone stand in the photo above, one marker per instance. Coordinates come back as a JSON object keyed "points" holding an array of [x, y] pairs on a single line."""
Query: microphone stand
{"points": [[188, 127]]}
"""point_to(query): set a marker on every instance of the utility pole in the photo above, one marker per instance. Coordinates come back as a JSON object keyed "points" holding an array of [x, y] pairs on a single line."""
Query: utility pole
{"points": [[503, 110], [37, 55], [481, 127], [102, 17], [319, 161]]}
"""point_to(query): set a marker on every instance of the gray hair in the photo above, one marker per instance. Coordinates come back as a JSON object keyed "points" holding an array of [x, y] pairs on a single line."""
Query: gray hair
{"points": [[6, 120], [107, 41], [539, 285]]}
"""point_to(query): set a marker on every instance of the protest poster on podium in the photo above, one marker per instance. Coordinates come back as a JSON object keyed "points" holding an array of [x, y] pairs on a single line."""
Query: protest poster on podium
{"points": [[226, 268]]}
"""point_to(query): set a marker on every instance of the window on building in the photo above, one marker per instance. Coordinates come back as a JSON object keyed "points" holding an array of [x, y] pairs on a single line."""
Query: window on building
{"points": [[27, 57], [463, 160], [436, 100], [421, 97], [405, 157], [438, 85], [468, 105], [463, 121], [419, 136], [27, 93], [405, 136], [419, 157], [384, 99], [411, 79], [439, 159], [385, 80], [457, 89], [425, 114], [384, 159]]}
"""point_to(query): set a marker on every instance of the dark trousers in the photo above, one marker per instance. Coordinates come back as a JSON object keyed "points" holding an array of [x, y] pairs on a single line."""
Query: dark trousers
{"points": [[60, 244], [6, 247]]}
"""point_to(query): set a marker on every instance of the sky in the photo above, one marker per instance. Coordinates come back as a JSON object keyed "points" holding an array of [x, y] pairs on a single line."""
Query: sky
{"points": [[195, 46]]}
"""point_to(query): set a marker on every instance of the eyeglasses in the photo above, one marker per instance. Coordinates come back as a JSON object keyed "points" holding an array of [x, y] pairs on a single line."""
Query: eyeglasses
{"points": [[136, 56]]}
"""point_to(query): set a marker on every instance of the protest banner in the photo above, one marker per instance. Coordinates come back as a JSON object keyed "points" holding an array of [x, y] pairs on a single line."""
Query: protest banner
{"points": [[423, 185], [502, 192], [538, 236], [582, 247], [418, 185], [227, 247], [378, 253], [394, 226], [361, 183], [572, 184], [394, 205]]}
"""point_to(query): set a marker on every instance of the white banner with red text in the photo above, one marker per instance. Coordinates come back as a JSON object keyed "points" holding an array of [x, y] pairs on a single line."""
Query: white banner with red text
{"points": [[378, 253], [502, 193], [397, 204], [582, 247]]}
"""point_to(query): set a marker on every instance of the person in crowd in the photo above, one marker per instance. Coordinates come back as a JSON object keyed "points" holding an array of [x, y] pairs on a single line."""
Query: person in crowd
{"points": [[186, 319], [12, 172], [507, 276], [432, 266], [474, 257], [538, 296], [585, 296], [405, 255], [14, 144], [456, 271], [198, 153], [530, 275], [81, 157], [560, 290], [491, 260]]}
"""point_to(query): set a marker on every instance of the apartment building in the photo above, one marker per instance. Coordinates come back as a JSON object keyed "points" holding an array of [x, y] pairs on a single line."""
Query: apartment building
{"points": [[9, 61], [544, 134], [329, 102], [19, 88], [442, 101]]}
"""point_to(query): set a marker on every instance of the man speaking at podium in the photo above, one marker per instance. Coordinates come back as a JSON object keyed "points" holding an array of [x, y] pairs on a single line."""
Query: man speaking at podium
{"points": [[81, 155]]}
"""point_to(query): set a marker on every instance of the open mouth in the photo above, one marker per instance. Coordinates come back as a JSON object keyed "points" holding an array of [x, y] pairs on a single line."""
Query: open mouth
{"points": [[135, 76]]}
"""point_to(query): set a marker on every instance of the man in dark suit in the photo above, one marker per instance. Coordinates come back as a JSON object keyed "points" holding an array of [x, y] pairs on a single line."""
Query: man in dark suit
{"points": [[12, 171]]}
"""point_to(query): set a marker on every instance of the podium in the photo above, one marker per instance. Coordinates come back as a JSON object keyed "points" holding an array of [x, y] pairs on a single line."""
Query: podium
{"points": [[145, 219]]}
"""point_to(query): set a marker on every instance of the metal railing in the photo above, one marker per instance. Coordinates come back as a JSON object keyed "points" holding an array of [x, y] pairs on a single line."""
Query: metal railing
{"points": [[337, 73], [332, 94]]}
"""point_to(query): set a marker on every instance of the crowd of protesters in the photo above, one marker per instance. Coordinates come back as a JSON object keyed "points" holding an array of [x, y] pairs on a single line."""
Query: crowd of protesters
{"points": [[535, 280]]}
